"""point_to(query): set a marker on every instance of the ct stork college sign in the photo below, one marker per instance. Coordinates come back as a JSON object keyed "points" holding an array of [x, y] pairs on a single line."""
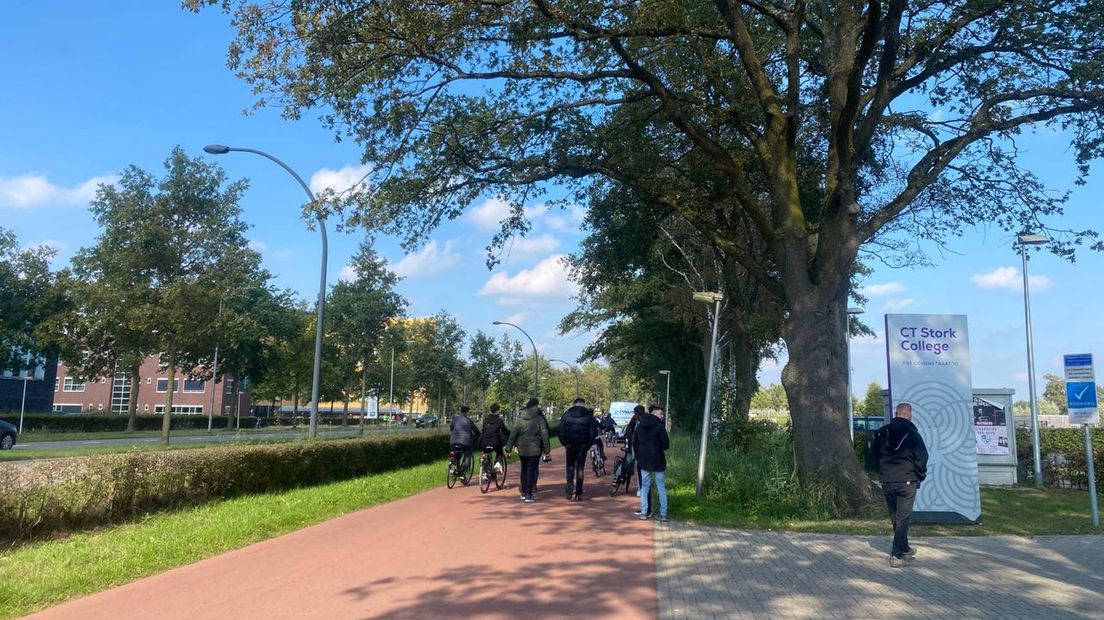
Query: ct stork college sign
{"points": [[929, 367]]}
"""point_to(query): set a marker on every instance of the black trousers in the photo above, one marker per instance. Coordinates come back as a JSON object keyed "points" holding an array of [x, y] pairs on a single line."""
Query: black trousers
{"points": [[899, 496], [530, 467], [576, 456]]}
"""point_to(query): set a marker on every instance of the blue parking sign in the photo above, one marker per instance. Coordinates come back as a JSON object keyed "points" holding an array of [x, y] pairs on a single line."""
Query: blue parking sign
{"points": [[1081, 395]]}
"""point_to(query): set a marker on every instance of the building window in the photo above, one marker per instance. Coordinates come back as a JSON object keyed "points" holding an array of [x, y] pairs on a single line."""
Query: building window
{"points": [[194, 386], [147, 407], [100, 407], [163, 384], [60, 408], [72, 385], [181, 409], [57, 384], [229, 383]]}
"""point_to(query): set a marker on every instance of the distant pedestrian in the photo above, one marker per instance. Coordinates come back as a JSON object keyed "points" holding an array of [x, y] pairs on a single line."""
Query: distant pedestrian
{"points": [[577, 430], [650, 442], [530, 437], [903, 463]]}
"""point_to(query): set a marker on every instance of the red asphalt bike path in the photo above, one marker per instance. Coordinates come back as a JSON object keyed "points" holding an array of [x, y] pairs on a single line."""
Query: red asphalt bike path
{"points": [[453, 552]]}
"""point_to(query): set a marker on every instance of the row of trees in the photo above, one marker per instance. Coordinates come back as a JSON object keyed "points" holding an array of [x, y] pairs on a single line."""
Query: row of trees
{"points": [[172, 274]]}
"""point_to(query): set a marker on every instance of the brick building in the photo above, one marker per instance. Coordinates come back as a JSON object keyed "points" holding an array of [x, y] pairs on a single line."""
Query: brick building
{"points": [[112, 394]]}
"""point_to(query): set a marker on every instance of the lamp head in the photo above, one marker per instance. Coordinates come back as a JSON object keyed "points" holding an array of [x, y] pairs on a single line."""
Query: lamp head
{"points": [[708, 297], [855, 310], [217, 149], [497, 323], [665, 372], [1032, 239]]}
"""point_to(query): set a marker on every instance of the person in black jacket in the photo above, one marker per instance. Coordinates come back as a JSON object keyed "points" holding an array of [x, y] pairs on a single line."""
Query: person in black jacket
{"points": [[577, 431], [464, 433], [903, 463], [495, 432], [650, 441]]}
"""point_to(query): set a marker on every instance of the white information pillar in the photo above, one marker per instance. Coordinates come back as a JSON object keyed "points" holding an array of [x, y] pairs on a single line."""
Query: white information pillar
{"points": [[929, 368], [1084, 410]]}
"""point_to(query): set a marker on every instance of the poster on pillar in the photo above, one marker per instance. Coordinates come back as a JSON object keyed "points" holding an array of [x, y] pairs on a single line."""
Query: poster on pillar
{"points": [[929, 367]]}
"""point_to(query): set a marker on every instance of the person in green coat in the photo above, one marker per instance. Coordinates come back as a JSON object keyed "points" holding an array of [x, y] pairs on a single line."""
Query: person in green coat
{"points": [[530, 437]]}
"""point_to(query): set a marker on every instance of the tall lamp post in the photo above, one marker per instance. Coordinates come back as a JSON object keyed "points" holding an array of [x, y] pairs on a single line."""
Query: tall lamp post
{"points": [[1026, 240], [667, 399], [715, 299], [850, 395], [575, 371], [219, 149], [536, 358], [391, 391]]}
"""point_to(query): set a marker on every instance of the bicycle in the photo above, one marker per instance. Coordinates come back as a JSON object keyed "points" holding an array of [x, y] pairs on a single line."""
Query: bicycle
{"points": [[596, 461], [459, 468], [622, 472], [491, 470]]}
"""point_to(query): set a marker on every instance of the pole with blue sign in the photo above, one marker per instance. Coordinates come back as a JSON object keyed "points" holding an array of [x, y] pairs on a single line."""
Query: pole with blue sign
{"points": [[1084, 410]]}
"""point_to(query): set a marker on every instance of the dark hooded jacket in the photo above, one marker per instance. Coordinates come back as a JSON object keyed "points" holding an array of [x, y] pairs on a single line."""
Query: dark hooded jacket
{"points": [[530, 434], [649, 443], [902, 456], [577, 427], [494, 430], [463, 430]]}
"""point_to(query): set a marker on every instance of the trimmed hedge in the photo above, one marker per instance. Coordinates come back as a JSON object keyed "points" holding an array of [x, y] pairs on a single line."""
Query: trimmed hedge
{"points": [[114, 423], [1065, 463], [63, 495]]}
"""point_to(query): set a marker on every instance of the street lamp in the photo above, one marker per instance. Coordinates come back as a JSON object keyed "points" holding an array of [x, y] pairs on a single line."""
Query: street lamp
{"points": [[219, 149], [391, 390], [578, 391], [850, 396], [536, 370], [667, 406], [1026, 240], [714, 298]]}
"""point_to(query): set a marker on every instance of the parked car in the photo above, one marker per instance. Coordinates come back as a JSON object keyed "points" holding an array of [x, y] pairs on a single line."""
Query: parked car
{"points": [[8, 433], [426, 421]]}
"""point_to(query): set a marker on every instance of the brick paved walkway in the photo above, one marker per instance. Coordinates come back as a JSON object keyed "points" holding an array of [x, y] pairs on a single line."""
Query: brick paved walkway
{"points": [[707, 572]]}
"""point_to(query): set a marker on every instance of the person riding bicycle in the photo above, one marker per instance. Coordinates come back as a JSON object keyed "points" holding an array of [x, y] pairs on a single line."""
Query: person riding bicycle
{"points": [[495, 432], [604, 424], [464, 433]]}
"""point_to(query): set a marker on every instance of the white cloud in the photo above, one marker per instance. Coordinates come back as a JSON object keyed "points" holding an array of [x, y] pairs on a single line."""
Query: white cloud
{"points": [[433, 258], [528, 246], [897, 305], [257, 246], [882, 290], [338, 180], [34, 190], [518, 317], [1009, 279], [347, 274], [549, 278], [489, 214], [53, 244]]}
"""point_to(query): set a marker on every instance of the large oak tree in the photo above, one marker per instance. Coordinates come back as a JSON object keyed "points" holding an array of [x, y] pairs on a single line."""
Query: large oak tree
{"points": [[790, 133]]}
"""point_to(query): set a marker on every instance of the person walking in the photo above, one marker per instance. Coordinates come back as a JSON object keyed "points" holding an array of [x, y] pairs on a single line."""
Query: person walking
{"points": [[577, 430], [530, 437], [495, 432], [650, 442], [903, 463]]}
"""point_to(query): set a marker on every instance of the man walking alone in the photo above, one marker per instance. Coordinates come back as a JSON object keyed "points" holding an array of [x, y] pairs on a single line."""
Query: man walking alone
{"points": [[530, 436], [650, 441], [903, 463], [577, 430]]}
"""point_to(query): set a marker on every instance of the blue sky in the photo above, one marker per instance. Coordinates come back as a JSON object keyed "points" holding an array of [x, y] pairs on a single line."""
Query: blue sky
{"points": [[90, 91]]}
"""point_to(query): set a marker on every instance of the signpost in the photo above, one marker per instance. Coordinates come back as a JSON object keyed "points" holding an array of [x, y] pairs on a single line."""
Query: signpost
{"points": [[1084, 410]]}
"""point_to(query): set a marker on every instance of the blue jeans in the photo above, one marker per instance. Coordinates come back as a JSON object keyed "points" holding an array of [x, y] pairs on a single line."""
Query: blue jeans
{"points": [[660, 478]]}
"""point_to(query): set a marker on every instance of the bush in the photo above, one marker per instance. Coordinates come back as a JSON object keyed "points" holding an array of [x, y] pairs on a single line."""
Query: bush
{"points": [[62, 495], [760, 479], [113, 423], [1065, 463]]}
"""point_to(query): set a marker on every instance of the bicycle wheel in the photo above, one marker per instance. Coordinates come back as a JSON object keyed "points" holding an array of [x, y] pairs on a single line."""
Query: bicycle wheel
{"points": [[595, 462], [453, 473], [618, 472], [486, 472], [500, 476], [466, 470], [601, 468]]}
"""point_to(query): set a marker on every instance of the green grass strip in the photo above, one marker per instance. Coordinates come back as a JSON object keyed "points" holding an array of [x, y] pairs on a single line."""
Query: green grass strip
{"points": [[39, 575]]}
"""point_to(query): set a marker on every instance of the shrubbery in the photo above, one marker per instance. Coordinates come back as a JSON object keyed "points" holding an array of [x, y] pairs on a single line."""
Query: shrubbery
{"points": [[91, 423], [1065, 463], [53, 496]]}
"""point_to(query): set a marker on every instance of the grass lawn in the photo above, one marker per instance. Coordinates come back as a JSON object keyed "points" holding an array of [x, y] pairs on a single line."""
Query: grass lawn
{"points": [[1020, 511], [41, 574]]}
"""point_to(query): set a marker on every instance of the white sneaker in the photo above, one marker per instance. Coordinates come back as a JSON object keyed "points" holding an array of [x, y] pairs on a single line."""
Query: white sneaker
{"points": [[498, 468]]}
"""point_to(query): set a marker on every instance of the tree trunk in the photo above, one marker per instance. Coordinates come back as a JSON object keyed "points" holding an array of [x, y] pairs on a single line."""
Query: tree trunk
{"points": [[132, 404], [166, 417], [344, 412], [815, 378]]}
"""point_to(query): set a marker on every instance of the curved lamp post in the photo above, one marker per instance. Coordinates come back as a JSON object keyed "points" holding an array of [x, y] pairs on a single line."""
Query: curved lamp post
{"points": [[715, 299], [219, 149], [854, 311], [1026, 240], [667, 398], [536, 369], [578, 392]]}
